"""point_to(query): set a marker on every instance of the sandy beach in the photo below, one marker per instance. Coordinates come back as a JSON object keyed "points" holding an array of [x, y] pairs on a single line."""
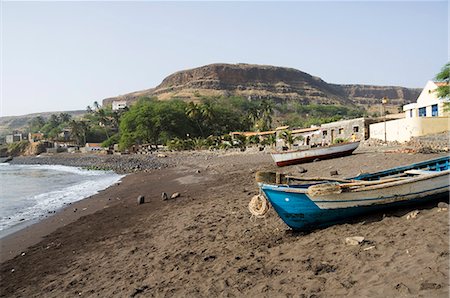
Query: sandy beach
{"points": [[205, 242]]}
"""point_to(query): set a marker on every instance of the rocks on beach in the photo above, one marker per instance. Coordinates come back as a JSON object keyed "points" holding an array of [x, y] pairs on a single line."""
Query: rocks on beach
{"points": [[117, 163]]}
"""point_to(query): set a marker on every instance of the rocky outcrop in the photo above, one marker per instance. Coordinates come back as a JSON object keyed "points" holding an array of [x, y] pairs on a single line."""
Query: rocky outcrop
{"points": [[267, 82], [369, 95]]}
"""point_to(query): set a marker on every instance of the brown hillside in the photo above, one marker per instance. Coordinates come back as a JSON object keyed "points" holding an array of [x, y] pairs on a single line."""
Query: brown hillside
{"points": [[270, 82]]}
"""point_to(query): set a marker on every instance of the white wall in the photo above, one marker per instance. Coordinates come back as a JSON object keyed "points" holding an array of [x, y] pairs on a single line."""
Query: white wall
{"points": [[402, 130]]}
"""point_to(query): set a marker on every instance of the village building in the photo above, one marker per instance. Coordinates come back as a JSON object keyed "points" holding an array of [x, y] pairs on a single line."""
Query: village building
{"points": [[426, 116], [119, 105], [91, 147], [346, 130], [16, 137], [35, 137], [64, 135]]}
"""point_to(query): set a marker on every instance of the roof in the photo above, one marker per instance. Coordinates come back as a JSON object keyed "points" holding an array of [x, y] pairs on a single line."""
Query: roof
{"points": [[301, 130], [93, 144], [253, 133]]}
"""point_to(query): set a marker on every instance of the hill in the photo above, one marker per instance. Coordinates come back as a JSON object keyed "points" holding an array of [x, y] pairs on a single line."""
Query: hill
{"points": [[269, 82], [10, 123]]}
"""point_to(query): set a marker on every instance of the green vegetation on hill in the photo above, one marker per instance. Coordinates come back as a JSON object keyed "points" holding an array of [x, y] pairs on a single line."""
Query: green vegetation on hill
{"points": [[158, 122], [185, 125], [298, 115]]}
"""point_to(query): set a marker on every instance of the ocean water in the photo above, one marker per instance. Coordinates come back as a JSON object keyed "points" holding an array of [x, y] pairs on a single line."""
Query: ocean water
{"points": [[29, 192]]}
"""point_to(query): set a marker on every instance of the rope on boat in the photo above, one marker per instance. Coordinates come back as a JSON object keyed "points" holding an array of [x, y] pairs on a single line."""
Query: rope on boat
{"points": [[324, 189], [258, 206]]}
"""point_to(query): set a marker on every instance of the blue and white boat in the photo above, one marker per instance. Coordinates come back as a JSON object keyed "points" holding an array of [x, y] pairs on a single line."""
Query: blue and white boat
{"points": [[320, 204]]}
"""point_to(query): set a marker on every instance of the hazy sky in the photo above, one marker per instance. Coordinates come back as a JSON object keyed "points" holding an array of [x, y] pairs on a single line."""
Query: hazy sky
{"points": [[65, 55]]}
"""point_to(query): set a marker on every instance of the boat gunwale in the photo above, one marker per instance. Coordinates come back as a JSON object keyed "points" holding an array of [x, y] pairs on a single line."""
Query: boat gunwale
{"points": [[286, 188]]}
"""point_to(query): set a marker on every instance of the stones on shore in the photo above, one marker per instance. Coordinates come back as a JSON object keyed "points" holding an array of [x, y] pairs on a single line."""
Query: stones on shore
{"points": [[165, 196], [412, 214], [442, 206], [140, 200], [355, 240], [160, 155], [334, 173], [117, 163], [301, 169]]}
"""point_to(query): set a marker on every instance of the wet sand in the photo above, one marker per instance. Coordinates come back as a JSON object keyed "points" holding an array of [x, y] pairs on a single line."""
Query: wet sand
{"points": [[205, 243]]}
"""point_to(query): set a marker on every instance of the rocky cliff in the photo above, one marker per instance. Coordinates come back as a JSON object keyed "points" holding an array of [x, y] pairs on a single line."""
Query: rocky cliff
{"points": [[268, 82]]}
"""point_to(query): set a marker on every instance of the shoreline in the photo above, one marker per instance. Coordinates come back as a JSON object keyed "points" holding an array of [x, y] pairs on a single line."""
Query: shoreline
{"points": [[204, 243], [32, 232]]}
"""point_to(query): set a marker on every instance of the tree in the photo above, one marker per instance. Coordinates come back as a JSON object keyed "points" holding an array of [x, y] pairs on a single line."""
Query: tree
{"points": [[78, 131], [443, 90], [36, 124], [64, 117], [193, 112], [288, 138], [266, 108]]}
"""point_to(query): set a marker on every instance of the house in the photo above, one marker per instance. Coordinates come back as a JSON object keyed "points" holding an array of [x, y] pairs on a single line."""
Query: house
{"points": [[426, 116], [64, 135], [16, 137], [357, 129], [34, 137], [119, 105], [92, 147]]}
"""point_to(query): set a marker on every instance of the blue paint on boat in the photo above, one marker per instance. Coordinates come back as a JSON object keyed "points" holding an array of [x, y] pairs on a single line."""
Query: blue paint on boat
{"points": [[299, 212]]}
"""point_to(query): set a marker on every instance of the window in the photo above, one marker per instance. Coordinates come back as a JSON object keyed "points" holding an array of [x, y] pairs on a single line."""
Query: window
{"points": [[355, 128], [341, 131], [410, 113], [324, 133], [434, 110], [422, 112]]}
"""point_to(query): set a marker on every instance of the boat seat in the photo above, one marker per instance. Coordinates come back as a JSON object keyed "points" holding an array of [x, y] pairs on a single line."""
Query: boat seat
{"points": [[419, 172]]}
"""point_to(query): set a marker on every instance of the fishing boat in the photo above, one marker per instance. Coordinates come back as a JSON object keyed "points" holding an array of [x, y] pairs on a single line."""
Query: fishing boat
{"points": [[309, 203], [300, 156]]}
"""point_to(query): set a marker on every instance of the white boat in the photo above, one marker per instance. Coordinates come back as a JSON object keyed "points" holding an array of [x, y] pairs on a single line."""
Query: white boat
{"points": [[301, 156]]}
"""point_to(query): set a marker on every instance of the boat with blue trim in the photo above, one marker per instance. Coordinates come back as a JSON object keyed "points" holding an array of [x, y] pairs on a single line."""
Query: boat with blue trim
{"points": [[321, 202]]}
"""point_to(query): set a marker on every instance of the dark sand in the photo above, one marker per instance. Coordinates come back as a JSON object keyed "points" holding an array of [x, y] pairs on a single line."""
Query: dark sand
{"points": [[205, 242]]}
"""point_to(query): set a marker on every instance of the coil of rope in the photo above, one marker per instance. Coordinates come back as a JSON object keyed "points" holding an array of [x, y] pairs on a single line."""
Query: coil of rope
{"points": [[258, 206]]}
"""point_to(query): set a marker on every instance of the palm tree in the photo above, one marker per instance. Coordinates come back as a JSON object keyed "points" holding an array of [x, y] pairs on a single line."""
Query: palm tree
{"points": [[103, 120], [253, 116], [288, 138], [78, 130], [194, 113], [443, 91], [266, 111], [64, 117]]}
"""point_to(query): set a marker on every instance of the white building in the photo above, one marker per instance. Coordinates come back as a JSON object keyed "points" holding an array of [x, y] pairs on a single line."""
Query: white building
{"points": [[428, 104], [119, 105], [426, 116]]}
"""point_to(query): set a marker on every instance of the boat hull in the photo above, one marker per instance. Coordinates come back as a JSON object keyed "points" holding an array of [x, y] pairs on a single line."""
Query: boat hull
{"points": [[290, 158], [302, 214]]}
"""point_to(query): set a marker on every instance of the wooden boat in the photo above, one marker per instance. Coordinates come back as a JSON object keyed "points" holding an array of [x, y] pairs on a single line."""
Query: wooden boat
{"points": [[322, 202], [300, 156]]}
